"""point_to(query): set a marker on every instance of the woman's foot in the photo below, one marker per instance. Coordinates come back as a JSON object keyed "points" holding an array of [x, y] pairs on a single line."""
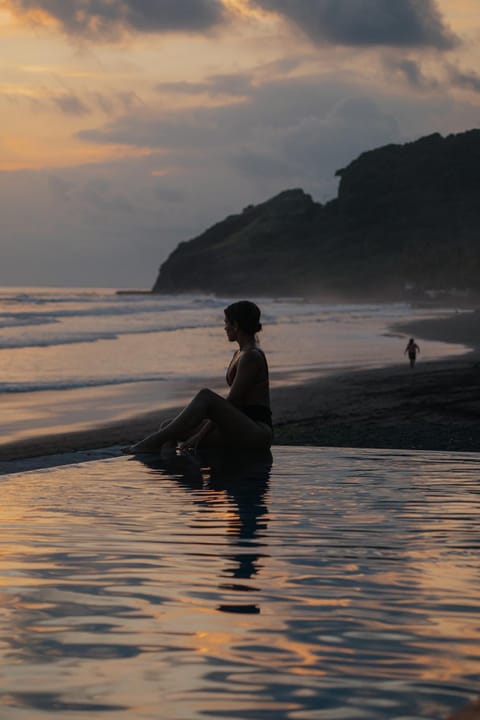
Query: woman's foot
{"points": [[142, 447]]}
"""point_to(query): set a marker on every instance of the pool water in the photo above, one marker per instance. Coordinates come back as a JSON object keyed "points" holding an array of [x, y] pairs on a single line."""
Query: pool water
{"points": [[317, 583]]}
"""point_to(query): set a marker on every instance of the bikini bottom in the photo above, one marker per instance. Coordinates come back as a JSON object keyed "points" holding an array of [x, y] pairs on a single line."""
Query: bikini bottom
{"points": [[258, 413]]}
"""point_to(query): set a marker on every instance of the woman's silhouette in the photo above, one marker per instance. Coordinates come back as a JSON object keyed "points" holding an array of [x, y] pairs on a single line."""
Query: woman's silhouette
{"points": [[241, 420]]}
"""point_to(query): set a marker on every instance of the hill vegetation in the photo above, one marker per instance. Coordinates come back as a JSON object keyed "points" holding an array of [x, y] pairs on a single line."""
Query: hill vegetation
{"points": [[406, 220]]}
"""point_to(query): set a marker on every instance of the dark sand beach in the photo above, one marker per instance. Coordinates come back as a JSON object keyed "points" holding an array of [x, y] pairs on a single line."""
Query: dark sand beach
{"points": [[435, 406]]}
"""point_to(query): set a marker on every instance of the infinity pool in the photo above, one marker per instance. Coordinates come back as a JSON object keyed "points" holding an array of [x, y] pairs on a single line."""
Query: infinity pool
{"points": [[318, 584]]}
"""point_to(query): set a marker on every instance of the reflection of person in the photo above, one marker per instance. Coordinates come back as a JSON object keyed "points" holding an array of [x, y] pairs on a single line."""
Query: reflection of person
{"points": [[243, 419], [244, 479], [412, 349]]}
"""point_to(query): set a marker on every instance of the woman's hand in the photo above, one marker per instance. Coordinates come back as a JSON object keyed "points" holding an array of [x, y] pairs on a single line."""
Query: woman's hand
{"points": [[191, 443]]}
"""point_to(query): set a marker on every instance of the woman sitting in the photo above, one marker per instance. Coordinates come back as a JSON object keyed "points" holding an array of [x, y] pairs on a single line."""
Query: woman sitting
{"points": [[243, 419]]}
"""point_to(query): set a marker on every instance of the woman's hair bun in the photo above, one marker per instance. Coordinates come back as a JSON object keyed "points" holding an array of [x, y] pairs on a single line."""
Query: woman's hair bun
{"points": [[246, 314]]}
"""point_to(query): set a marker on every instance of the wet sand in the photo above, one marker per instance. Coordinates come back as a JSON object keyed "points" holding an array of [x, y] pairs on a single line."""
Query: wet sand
{"points": [[435, 406]]}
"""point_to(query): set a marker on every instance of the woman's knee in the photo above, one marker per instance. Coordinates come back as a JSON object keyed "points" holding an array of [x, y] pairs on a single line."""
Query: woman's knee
{"points": [[206, 395]]}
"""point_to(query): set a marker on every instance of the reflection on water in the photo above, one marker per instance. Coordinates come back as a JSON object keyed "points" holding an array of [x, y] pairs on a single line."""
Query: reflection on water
{"points": [[322, 584], [240, 481]]}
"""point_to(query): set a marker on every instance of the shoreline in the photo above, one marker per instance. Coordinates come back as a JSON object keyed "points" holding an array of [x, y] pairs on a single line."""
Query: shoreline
{"points": [[436, 406]]}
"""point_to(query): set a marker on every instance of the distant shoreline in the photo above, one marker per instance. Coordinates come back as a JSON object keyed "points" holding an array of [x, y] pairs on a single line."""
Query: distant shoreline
{"points": [[434, 407]]}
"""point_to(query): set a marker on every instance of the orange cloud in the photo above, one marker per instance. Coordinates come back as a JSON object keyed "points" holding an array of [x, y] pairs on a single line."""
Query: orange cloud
{"points": [[37, 16]]}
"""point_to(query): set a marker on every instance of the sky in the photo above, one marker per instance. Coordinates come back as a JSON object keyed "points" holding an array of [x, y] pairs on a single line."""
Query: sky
{"points": [[128, 126]]}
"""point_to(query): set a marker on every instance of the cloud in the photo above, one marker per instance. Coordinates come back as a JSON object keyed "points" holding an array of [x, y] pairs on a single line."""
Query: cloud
{"points": [[270, 108], [108, 18], [71, 105], [398, 23], [467, 80], [113, 223], [237, 84], [291, 131], [188, 129], [105, 223], [307, 151], [226, 84], [451, 75], [411, 71], [116, 102]]}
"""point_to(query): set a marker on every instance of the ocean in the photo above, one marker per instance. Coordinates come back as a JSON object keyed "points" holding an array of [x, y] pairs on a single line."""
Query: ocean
{"points": [[301, 584], [73, 357]]}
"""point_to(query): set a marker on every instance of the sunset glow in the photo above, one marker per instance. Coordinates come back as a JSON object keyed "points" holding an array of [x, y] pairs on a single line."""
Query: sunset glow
{"points": [[255, 95]]}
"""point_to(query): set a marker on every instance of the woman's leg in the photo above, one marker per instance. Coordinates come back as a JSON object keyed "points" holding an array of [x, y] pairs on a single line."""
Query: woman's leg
{"points": [[235, 427], [170, 445]]}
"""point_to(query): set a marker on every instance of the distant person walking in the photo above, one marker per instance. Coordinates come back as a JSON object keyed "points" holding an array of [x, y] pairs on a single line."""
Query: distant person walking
{"points": [[412, 349]]}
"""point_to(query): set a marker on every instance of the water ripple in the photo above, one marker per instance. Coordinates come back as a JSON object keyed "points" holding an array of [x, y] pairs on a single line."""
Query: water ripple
{"points": [[329, 584]]}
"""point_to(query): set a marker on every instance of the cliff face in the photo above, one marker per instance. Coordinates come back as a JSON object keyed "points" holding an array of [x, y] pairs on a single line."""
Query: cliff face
{"points": [[405, 215]]}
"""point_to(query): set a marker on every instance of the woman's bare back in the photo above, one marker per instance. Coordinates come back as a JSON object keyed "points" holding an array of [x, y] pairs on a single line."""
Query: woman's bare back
{"points": [[258, 391]]}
